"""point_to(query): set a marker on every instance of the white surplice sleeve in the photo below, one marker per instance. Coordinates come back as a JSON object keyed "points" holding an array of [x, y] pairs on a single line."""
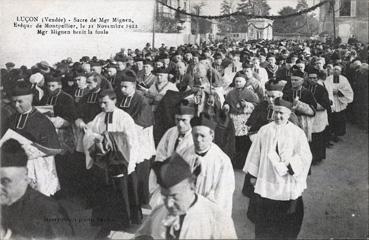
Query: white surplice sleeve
{"points": [[346, 90], [223, 194], [133, 143], [162, 148], [253, 157], [301, 159]]}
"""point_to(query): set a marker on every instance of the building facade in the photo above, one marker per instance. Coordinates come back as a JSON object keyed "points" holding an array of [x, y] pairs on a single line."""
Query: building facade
{"points": [[351, 19], [260, 28], [184, 21]]}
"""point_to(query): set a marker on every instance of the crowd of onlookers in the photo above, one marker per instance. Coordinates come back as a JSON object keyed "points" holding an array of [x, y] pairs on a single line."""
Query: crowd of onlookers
{"points": [[116, 122]]}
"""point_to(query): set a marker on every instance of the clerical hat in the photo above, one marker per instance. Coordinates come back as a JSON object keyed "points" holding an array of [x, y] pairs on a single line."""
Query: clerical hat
{"points": [[217, 56], [128, 76], [9, 64], [204, 120], [172, 171], [85, 59], [247, 64], [13, 154], [283, 103], [274, 86], [160, 70], [297, 73], [148, 62], [313, 71], [79, 73], [184, 108], [53, 78], [22, 88]]}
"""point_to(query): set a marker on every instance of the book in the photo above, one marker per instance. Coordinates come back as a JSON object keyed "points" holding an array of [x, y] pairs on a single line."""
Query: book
{"points": [[48, 110], [33, 150]]}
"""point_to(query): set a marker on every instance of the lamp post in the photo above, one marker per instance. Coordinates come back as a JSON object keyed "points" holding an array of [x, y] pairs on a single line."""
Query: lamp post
{"points": [[153, 23], [334, 20]]}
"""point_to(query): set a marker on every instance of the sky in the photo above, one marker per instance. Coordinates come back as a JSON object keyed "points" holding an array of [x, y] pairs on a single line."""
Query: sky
{"points": [[26, 46], [275, 5]]}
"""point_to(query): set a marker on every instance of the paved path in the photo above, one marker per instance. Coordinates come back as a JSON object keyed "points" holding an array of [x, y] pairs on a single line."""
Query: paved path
{"points": [[336, 201]]}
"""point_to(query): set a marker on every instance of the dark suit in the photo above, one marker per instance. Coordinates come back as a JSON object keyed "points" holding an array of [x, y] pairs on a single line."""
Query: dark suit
{"points": [[35, 126], [88, 107], [35, 215], [64, 106], [138, 108]]}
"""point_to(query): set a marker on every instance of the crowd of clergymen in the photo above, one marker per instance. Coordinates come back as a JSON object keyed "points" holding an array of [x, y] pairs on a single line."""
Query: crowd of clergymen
{"points": [[167, 127]]}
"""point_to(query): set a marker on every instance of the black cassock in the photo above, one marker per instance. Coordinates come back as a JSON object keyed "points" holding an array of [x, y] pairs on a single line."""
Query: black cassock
{"points": [[262, 115], [117, 204], [88, 107], [34, 126], [318, 140], [140, 110], [37, 216], [64, 106], [304, 95]]}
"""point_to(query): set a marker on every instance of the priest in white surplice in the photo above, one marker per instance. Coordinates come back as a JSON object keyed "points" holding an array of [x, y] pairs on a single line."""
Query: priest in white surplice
{"points": [[279, 159], [179, 136], [184, 213], [112, 152], [342, 96], [213, 168], [175, 139]]}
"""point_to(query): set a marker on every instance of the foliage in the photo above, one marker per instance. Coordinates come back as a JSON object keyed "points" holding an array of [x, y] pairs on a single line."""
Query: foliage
{"points": [[256, 7], [227, 24], [304, 24], [239, 23], [301, 4], [199, 25], [166, 25]]}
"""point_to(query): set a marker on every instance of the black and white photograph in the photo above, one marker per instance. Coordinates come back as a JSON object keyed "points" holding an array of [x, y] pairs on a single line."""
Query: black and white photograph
{"points": [[184, 119]]}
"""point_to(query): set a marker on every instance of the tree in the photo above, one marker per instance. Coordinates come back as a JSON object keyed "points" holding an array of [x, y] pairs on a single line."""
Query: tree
{"points": [[225, 7], [251, 7], [301, 4], [256, 7], [166, 25], [304, 24], [284, 25], [197, 7], [199, 25], [227, 24]]}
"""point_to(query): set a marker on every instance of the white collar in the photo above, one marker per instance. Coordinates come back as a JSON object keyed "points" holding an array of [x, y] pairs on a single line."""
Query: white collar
{"points": [[28, 111]]}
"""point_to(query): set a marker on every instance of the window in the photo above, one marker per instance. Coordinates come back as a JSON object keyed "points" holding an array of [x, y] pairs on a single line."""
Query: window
{"points": [[345, 8]]}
